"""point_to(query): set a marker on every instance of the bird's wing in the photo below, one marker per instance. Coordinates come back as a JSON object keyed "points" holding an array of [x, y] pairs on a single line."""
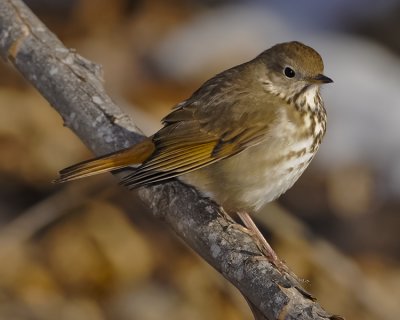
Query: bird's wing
{"points": [[193, 138]]}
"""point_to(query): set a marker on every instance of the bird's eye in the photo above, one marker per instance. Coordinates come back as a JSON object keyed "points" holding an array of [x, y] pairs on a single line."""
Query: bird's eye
{"points": [[289, 72]]}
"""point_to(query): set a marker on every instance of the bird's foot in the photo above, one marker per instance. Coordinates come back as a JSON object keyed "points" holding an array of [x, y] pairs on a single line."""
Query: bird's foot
{"points": [[265, 248], [263, 244]]}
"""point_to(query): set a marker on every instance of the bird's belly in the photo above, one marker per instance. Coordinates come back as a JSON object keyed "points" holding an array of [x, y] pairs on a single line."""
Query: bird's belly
{"points": [[254, 177]]}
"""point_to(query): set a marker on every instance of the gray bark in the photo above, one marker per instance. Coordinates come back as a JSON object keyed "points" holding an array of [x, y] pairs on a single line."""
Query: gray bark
{"points": [[73, 86]]}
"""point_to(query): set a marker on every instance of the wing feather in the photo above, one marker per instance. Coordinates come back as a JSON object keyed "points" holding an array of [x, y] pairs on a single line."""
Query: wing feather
{"points": [[174, 159], [206, 128]]}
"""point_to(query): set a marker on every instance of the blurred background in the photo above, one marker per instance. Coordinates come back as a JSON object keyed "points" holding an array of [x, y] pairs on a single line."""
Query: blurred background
{"points": [[89, 250]]}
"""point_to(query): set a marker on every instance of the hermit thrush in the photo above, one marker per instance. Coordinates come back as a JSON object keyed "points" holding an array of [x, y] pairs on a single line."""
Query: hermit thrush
{"points": [[243, 138]]}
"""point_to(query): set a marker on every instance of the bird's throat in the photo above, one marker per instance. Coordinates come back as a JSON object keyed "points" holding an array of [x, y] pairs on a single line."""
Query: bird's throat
{"points": [[307, 99]]}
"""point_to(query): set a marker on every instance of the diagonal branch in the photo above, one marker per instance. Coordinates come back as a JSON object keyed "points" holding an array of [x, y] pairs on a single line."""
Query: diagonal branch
{"points": [[73, 86]]}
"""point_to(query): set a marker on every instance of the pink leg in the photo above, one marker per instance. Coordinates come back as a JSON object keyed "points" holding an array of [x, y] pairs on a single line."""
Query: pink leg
{"points": [[265, 246], [267, 250]]}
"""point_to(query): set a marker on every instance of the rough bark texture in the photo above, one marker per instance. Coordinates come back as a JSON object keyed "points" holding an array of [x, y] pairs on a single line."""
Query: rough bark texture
{"points": [[73, 86]]}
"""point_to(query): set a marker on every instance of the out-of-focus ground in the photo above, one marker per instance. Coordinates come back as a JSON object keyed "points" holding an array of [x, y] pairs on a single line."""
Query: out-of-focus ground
{"points": [[89, 250]]}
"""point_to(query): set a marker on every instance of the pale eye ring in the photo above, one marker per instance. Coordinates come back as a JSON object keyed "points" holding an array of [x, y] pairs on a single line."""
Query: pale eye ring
{"points": [[289, 72]]}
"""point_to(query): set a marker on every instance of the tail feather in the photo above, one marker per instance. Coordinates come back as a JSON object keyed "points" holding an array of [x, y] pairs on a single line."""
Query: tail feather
{"points": [[114, 161]]}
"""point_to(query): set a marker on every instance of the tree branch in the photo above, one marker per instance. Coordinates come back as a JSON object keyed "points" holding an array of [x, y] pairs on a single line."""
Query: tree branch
{"points": [[73, 86]]}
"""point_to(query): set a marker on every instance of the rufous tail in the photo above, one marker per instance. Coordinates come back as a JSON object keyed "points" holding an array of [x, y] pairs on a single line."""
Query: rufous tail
{"points": [[117, 160]]}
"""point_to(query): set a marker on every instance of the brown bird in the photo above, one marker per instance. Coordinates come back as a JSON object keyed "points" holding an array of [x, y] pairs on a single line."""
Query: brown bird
{"points": [[243, 138]]}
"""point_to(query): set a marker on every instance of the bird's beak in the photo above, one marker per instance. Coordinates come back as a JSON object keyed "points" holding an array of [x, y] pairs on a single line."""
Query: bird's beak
{"points": [[320, 78]]}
